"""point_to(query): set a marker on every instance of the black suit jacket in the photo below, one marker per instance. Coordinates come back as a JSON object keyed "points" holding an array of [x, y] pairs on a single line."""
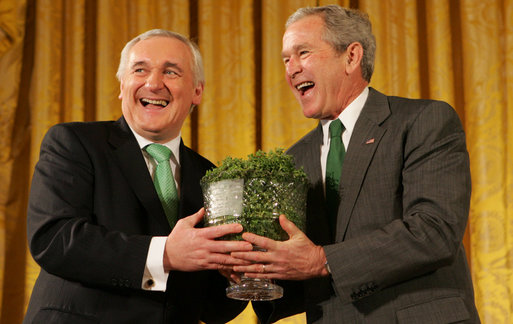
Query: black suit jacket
{"points": [[396, 254], [92, 212]]}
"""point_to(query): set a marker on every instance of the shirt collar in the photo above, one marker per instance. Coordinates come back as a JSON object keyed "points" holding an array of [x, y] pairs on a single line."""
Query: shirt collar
{"points": [[348, 116], [173, 145]]}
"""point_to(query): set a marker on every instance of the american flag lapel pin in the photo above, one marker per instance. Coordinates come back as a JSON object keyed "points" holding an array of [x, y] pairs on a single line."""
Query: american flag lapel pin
{"points": [[370, 141]]}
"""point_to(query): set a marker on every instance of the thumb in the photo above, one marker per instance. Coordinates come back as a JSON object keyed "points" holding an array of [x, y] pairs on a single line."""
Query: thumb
{"points": [[195, 218], [289, 226]]}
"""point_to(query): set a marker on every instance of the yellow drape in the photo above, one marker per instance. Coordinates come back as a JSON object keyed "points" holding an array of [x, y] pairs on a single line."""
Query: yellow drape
{"points": [[59, 57]]}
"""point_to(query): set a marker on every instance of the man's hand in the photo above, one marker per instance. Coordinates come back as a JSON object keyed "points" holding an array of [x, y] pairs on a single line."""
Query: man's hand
{"points": [[298, 258], [233, 277], [193, 249]]}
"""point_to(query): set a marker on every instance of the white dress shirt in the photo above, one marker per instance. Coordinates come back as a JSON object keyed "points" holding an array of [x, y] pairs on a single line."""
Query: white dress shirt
{"points": [[155, 278], [348, 117]]}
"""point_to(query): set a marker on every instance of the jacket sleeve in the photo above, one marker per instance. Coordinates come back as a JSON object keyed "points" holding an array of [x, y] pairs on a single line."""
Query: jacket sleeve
{"points": [[417, 224], [64, 234]]}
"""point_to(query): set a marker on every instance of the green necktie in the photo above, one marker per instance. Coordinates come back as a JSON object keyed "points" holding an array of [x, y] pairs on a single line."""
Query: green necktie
{"points": [[336, 156], [164, 181]]}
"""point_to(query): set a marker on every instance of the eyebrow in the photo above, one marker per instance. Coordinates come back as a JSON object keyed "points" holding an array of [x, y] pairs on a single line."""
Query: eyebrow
{"points": [[295, 48], [167, 64], [137, 64]]}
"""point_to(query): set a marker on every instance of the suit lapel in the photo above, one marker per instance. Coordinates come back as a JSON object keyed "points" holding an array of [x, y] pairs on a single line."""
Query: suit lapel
{"points": [[308, 155], [312, 152], [133, 166], [190, 176], [365, 140]]}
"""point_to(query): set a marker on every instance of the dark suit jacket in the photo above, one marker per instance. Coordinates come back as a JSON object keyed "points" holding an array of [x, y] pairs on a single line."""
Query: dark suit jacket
{"points": [[397, 253], [92, 212]]}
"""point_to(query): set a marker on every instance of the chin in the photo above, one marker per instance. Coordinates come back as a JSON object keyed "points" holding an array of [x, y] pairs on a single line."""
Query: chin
{"points": [[309, 113]]}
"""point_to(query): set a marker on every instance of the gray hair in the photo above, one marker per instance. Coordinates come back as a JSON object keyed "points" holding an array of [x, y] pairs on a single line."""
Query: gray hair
{"points": [[197, 64], [343, 27]]}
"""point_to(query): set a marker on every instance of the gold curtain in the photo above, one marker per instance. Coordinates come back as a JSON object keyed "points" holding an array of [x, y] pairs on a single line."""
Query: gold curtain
{"points": [[59, 57]]}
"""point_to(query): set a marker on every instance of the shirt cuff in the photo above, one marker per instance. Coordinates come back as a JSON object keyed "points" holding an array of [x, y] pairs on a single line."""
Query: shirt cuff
{"points": [[155, 278]]}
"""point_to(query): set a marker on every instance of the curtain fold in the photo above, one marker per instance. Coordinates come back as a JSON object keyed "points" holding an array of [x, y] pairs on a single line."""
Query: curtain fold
{"points": [[59, 58], [282, 119], [14, 147], [488, 89], [227, 112], [395, 26]]}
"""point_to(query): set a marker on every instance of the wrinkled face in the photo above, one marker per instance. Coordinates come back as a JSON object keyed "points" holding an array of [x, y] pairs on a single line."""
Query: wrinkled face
{"points": [[314, 71], [157, 88]]}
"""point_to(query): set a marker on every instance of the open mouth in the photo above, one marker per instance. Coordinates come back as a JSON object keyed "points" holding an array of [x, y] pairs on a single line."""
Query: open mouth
{"points": [[155, 102], [305, 86]]}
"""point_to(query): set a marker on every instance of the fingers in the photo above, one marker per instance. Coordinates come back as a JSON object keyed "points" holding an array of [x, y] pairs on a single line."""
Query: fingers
{"points": [[221, 230], [235, 277], [267, 275], [256, 270], [260, 241], [270, 244], [253, 268], [214, 231], [194, 219], [229, 246], [253, 257], [226, 273], [224, 263]]}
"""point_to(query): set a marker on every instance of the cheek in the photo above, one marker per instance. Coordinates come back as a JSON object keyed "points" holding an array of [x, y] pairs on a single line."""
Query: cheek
{"points": [[287, 79], [132, 86]]}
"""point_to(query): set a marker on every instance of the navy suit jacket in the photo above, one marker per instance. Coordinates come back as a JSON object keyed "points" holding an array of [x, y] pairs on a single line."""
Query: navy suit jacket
{"points": [[92, 212], [396, 254]]}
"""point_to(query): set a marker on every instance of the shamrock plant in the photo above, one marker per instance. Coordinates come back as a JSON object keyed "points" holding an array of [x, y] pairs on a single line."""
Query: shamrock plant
{"points": [[271, 185]]}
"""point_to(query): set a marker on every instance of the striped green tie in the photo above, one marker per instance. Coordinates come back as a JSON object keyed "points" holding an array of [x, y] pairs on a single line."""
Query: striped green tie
{"points": [[164, 181], [336, 156]]}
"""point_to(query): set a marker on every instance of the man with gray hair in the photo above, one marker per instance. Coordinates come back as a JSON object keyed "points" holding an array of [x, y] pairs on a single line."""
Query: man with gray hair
{"points": [[108, 209], [389, 196]]}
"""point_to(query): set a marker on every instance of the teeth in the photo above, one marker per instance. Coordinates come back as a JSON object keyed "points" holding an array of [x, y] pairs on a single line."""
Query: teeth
{"points": [[162, 103], [304, 85]]}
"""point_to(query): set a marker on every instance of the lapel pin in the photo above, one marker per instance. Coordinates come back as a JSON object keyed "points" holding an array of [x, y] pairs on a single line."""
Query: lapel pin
{"points": [[370, 141]]}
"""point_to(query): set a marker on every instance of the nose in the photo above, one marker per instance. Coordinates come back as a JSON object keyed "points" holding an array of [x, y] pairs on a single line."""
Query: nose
{"points": [[154, 81], [293, 67]]}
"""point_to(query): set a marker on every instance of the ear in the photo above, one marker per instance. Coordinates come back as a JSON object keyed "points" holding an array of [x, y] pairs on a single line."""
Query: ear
{"points": [[354, 55], [120, 96], [198, 93]]}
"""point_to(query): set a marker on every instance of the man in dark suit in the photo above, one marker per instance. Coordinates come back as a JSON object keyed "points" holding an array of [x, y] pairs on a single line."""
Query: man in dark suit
{"points": [[390, 250], [96, 225]]}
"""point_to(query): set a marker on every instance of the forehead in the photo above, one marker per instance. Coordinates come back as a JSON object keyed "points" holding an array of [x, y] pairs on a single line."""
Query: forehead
{"points": [[160, 50], [304, 31]]}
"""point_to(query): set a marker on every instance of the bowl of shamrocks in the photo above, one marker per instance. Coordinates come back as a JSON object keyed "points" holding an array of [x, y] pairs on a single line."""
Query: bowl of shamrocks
{"points": [[254, 192]]}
